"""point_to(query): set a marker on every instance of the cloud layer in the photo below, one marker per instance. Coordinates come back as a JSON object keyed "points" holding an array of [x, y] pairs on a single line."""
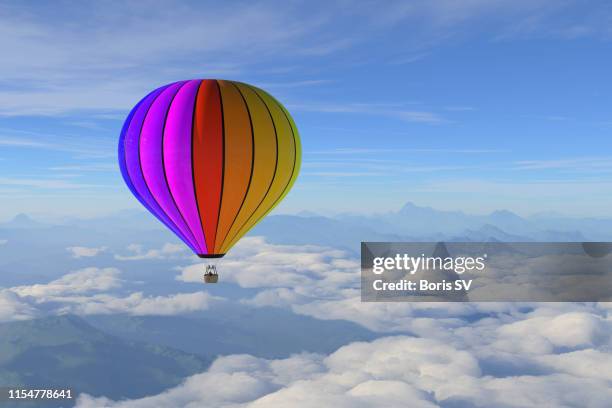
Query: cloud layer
{"points": [[435, 354], [403, 371], [324, 283], [464, 354]]}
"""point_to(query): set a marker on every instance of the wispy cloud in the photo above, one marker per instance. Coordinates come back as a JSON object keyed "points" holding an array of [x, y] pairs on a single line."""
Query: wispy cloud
{"points": [[578, 164], [387, 169], [167, 251], [408, 59], [79, 146], [367, 150], [460, 108], [113, 54], [46, 183], [85, 252], [82, 168], [344, 174], [22, 142], [293, 84], [392, 111]]}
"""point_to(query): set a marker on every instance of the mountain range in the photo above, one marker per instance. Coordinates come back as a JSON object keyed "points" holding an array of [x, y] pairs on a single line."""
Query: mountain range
{"points": [[121, 356], [67, 352]]}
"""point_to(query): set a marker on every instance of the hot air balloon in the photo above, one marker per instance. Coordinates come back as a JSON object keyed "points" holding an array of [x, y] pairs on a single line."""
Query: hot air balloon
{"points": [[209, 159]]}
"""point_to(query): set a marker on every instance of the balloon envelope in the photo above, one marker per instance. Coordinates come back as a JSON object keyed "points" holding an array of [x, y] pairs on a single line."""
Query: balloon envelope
{"points": [[209, 159]]}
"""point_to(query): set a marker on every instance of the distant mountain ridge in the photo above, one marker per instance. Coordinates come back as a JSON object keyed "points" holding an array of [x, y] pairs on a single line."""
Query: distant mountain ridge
{"points": [[426, 222], [346, 231], [21, 221], [66, 351], [263, 332], [121, 356]]}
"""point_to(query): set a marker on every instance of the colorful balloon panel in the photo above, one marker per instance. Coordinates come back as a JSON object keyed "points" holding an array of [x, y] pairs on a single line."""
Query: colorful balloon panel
{"points": [[209, 159]]}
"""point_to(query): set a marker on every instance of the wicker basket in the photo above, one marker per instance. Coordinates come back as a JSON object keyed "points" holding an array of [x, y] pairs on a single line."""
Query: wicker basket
{"points": [[210, 278]]}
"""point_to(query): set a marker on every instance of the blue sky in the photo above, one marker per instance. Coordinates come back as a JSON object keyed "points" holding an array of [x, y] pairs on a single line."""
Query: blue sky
{"points": [[474, 105]]}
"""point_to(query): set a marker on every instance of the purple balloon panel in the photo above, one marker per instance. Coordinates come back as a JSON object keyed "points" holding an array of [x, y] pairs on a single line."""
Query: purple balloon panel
{"points": [[151, 158], [178, 158], [133, 170]]}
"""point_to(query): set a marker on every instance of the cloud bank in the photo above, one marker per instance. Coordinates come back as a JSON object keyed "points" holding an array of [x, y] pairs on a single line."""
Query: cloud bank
{"points": [[94, 291], [462, 354], [396, 371], [434, 354], [324, 283]]}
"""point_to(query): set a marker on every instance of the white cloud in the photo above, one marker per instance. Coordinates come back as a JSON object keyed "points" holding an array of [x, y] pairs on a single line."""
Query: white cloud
{"points": [[82, 281], [393, 371], [88, 291], [256, 264], [542, 334], [12, 307], [167, 251], [3, 241], [587, 363], [280, 297], [137, 304], [85, 252], [354, 376], [322, 283]]}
